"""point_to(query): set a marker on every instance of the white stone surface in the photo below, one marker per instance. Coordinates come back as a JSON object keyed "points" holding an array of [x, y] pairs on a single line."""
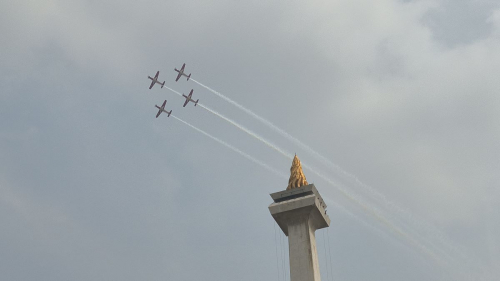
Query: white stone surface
{"points": [[299, 218]]}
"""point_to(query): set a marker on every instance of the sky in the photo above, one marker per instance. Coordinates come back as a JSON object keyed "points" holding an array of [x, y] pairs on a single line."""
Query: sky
{"points": [[392, 107]]}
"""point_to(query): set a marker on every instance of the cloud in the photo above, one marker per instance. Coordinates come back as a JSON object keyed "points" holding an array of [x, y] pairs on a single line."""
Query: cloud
{"points": [[375, 87]]}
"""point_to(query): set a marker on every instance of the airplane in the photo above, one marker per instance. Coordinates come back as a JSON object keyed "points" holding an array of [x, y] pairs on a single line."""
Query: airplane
{"points": [[155, 80], [162, 109], [181, 73], [188, 99]]}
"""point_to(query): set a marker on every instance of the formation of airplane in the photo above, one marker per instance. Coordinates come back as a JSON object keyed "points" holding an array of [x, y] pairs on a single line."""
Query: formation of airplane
{"points": [[181, 73], [188, 99], [162, 109], [155, 80]]}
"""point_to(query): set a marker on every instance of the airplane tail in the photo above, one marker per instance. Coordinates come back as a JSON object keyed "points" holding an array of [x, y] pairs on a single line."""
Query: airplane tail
{"points": [[189, 76], [163, 84], [196, 102], [169, 112]]}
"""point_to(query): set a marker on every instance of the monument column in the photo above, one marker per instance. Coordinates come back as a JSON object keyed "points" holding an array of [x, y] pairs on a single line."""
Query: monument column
{"points": [[299, 211]]}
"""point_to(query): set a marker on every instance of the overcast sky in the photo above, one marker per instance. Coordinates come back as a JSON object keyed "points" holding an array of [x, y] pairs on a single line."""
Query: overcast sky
{"points": [[395, 104]]}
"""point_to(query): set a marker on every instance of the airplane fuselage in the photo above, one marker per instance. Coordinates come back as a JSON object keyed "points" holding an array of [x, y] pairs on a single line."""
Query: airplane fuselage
{"points": [[162, 109], [154, 80], [181, 73], [189, 99]]}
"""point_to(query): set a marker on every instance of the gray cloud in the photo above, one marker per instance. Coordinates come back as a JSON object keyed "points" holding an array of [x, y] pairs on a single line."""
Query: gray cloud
{"points": [[400, 94]]}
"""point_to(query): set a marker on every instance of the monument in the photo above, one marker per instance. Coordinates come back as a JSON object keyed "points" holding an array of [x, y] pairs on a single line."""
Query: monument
{"points": [[300, 211]]}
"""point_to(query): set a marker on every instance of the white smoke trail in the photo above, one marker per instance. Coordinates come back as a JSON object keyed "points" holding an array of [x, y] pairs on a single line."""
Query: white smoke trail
{"points": [[418, 224], [262, 164], [343, 191], [269, 144], [173, 90], [378, 216], [373, 228], [351, 214], [292, 139], [288, 155], [284, 153], [279, 131], [346, 193], [370, 210]]}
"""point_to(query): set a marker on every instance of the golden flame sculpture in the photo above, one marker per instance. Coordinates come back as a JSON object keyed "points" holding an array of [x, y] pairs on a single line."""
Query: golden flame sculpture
{"points": [[297, 178]]}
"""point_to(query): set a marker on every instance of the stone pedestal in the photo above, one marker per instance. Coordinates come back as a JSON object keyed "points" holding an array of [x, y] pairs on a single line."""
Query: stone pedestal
{"points": [[299, 212]]}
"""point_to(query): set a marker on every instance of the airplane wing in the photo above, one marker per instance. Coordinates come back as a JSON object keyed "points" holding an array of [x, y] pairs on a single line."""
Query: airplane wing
{"points": [[182, 69], [163, 105], [157, 73], [158, 114], [152, 84], [191, 93], [186, 102]]}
